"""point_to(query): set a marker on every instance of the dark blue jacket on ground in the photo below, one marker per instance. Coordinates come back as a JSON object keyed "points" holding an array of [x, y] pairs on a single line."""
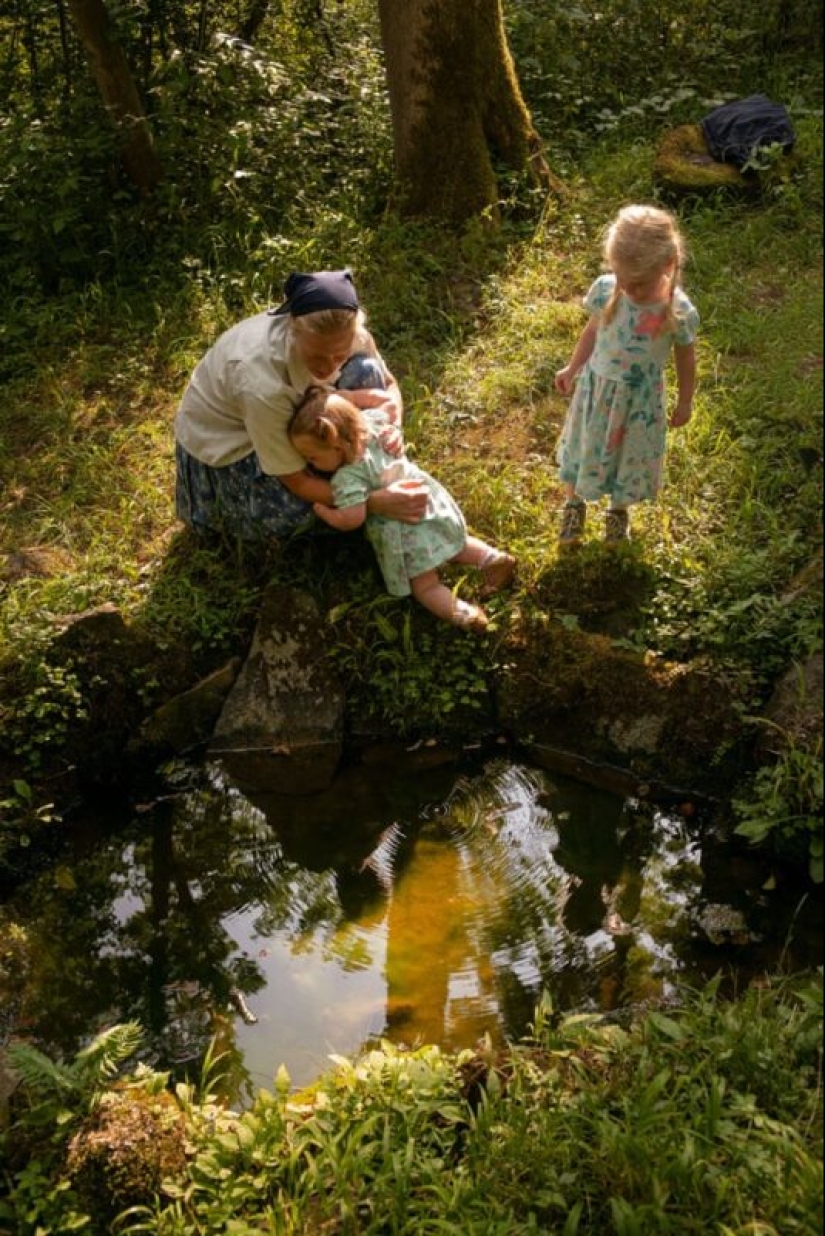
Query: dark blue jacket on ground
{"points": [[737, 130]]}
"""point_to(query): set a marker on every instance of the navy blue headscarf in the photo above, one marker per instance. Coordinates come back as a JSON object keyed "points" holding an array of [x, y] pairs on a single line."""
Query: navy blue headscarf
{"points": [[324, 289]]}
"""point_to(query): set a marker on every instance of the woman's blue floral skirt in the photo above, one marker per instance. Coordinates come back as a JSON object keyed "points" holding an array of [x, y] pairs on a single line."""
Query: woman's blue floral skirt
{"points": [[238, 500]]}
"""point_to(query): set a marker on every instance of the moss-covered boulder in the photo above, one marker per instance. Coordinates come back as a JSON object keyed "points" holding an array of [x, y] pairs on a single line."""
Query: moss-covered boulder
{"points": [[684, 166], [129, 1145], [584, 705]]}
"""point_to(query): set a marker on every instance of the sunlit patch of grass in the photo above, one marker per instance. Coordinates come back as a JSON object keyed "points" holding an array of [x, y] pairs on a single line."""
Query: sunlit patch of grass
{"points": [[475, 327]]}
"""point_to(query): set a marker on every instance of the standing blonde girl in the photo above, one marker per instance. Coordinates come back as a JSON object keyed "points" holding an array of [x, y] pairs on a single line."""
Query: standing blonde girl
{"points": [[613, 440]]}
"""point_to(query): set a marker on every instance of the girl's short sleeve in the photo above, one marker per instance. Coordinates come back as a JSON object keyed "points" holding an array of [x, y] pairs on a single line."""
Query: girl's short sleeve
{"points": [[599, 293], [688, 321], [350, 486]]}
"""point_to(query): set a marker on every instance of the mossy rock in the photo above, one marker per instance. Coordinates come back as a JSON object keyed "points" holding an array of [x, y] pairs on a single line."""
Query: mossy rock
{"points": [[684, 165], [129, 1145], [661, 723]]}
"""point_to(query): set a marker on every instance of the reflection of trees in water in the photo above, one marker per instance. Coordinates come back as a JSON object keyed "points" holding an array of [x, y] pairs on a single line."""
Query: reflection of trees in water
{"points": [[512, 883], [519, 885], [133, 930], [139, 925]]}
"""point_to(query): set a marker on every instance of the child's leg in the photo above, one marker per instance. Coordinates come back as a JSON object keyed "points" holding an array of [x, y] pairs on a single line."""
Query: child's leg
{"points": [[476, 553], [435, 596], [573, 517], [498, 566]]}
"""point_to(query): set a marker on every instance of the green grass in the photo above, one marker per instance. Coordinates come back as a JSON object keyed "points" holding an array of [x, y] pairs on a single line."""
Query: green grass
{"points": [[86, 465], [475, 327]]}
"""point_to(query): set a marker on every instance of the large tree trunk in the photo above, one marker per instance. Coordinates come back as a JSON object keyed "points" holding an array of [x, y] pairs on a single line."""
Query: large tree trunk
{"points": [[119, 92], [456, 105]]}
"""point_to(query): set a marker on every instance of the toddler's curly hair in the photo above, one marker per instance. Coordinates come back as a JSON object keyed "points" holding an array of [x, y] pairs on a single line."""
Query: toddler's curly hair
{"points": [[332, 421]]}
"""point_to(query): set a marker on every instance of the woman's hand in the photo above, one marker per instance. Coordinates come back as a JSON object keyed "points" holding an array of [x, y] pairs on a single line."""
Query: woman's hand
{"points": [[387, 401], [405, 501], [392, 440]]}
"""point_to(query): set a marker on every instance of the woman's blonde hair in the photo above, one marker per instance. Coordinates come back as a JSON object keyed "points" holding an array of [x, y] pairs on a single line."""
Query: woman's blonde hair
{"points": [[641, 242], [328, 322], [332, 421]]}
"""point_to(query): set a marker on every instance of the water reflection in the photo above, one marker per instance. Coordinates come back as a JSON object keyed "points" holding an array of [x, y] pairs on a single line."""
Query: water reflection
{"points": [[434, 906]]}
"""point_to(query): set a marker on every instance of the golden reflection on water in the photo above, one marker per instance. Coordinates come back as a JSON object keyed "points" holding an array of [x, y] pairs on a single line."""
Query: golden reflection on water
{"points": [[432, 952]]}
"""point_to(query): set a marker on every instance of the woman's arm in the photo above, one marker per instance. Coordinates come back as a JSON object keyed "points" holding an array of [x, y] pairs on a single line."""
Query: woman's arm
{"points": [[390, 400], [401, 502], [408, 506], [684, 356]]}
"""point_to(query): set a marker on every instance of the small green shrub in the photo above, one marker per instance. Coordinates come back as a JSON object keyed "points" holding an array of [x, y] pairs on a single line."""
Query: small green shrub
{"points": [[404, 670], [783, 808], [38, 720]]}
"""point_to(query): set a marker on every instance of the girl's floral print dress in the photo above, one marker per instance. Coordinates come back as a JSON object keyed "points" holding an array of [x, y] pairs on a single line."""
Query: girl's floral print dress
{"points": [[613, 441]]}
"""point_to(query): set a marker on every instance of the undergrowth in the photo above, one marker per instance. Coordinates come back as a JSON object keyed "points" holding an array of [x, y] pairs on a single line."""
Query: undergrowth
{"points": [[706, 1120]]}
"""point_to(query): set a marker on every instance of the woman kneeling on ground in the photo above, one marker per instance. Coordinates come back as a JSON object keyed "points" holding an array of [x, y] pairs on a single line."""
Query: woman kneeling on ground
{"points": [[237, 471]]}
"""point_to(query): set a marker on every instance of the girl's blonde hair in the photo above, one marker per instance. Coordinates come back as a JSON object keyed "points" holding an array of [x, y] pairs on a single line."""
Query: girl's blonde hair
{"points": [[332, 421], [328, 322], [641, 242]]}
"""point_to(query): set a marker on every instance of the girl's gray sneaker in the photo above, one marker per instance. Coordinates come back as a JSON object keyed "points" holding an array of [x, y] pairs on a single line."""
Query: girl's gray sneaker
{"points": [[617, 527], [573, 518]]}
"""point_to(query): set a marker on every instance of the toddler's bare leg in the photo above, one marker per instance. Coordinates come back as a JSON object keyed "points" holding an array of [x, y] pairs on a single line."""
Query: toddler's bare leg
{"points": [[475, 553], [435, 596], [498, 567]]}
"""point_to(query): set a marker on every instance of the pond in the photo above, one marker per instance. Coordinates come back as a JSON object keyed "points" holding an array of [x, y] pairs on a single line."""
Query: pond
{"points": [[415, 902]]}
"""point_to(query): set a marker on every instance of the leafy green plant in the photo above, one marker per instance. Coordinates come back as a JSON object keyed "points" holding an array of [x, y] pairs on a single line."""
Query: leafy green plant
{"points": [[574, 73], [404, 669], [705, 1117], [55, 1098], [763, 158], [22, 817], [40, 717], [783, 807]]}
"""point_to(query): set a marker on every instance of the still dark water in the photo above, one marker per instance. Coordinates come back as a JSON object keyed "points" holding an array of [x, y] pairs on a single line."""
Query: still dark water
{"points": [[418, 905]]}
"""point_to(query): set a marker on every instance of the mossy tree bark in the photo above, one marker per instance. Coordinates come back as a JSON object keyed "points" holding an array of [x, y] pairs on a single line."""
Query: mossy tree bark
{"points": [[119, 92], [457, 108]]}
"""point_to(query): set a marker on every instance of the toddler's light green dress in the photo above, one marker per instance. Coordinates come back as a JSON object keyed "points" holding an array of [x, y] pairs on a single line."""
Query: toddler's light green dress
{"points": [[403, 550], [613, 440]]}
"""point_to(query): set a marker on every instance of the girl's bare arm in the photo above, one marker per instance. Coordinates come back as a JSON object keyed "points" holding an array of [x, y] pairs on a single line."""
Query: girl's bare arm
{"points": [[345, 520], [581, 354], [684, 356]]}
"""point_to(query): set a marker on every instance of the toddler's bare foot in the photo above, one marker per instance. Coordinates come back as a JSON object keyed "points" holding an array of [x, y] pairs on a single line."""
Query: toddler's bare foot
{"points": [[498, 574], [470, 617]]}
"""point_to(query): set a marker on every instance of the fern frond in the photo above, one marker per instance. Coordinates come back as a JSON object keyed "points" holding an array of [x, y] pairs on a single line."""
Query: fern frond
{"points": [[40, 1074], [101, 1060]]}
